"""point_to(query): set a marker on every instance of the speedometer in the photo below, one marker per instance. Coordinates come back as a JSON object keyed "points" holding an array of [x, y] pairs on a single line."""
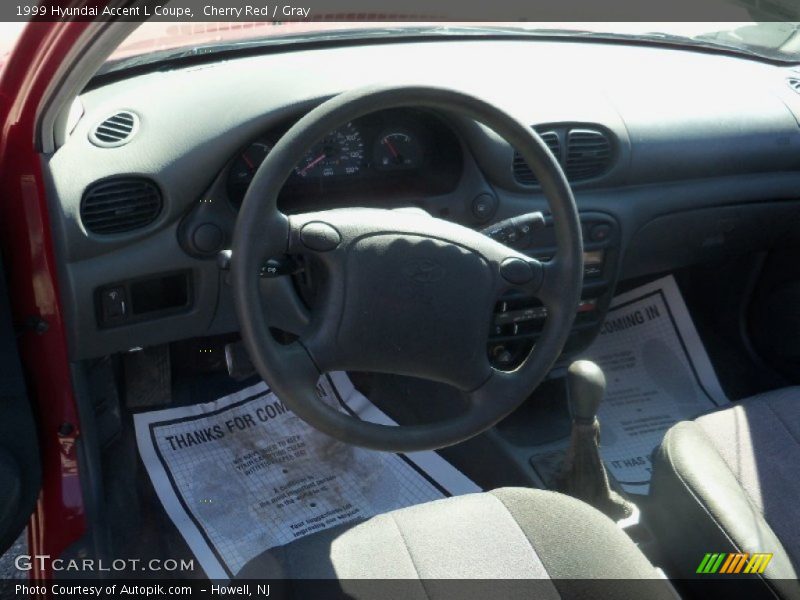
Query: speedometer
{"points": [[340, 153]]}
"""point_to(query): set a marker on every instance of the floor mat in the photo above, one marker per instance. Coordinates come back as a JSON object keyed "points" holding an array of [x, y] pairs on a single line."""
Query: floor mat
{"points": [[243, 474], [657, 373]]}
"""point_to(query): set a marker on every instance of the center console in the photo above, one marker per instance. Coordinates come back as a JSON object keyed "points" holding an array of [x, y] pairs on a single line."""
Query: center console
{"points": [[518, 320]]}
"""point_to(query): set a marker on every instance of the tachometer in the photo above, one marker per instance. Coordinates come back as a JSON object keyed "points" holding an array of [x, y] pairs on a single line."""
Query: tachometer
{"points": [[340, 153], [244, 167]]}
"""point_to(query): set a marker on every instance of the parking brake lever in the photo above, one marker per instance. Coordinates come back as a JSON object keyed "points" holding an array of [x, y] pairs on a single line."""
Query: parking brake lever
{"points": [[516, 231]]}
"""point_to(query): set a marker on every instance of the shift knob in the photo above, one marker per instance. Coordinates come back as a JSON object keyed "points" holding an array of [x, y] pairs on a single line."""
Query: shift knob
{"points": [[586, 386]]}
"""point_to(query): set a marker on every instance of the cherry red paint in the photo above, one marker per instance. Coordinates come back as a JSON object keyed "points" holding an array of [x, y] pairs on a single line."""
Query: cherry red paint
{"points": [[25, 236]]}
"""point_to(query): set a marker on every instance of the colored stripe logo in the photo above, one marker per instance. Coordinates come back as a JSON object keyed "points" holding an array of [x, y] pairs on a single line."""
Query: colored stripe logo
{"points": [[731, 563]]}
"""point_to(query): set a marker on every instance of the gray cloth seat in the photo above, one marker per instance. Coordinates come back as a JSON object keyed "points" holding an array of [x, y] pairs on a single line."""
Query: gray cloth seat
{"points": [[729, 481], [548, 539]]}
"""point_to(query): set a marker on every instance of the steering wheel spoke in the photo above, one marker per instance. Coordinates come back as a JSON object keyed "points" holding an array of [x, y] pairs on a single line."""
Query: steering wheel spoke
{"points": [[549, 284]]}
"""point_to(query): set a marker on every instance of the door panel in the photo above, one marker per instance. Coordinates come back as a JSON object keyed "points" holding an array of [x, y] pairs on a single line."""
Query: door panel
{"points": [[20, 470]]}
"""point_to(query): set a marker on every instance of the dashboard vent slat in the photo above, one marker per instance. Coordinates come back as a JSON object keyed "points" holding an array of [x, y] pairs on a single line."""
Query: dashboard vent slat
{"points": [[589, 154], [120, 205], [794, 83], [522, 172], [115, 130], [105, 205]]}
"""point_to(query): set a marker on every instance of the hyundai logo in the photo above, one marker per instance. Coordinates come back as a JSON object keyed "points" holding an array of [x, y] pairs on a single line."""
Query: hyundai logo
{"points": [[423, 270]]}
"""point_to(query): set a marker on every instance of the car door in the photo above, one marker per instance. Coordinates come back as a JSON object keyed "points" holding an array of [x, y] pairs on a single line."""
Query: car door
{"points": [[39, 440]]}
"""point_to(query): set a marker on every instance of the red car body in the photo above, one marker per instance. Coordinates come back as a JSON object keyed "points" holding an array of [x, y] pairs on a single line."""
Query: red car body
{"points": [[27, 248]]}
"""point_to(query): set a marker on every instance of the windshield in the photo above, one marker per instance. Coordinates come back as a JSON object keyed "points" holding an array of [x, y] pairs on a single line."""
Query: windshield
{"points": [[152, 42]]}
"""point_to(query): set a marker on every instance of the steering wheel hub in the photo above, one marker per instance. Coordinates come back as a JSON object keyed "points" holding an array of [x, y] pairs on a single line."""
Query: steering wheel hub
{"points": [[403, 301]]}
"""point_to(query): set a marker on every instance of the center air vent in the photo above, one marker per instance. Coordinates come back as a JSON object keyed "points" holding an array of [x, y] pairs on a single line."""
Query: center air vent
{"points": [[522, 172], [120, 205], [794, 84], [116, 130], [589, 154]]}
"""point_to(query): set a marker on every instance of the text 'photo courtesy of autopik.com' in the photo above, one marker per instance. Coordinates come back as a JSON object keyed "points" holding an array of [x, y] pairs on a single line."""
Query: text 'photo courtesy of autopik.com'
{"points": [[372, 300]]}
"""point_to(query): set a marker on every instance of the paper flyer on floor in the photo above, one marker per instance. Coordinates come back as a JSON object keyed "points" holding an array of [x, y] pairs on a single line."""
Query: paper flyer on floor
{"points": [[657, 372], [243, 474]]}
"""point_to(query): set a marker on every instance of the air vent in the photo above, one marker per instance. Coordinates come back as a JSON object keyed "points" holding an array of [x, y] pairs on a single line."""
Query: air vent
{"points": [[794, 84], [116, 130], [589, 154], [522, 172], [120, 205]]}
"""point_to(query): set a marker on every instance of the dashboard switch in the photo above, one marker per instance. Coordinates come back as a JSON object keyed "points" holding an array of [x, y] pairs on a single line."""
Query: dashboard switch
{"points": [[600, 232], [113, 304], [592, 270], [483, 207], [224, 260], [278, 267], [208, 238], [516, 231]]}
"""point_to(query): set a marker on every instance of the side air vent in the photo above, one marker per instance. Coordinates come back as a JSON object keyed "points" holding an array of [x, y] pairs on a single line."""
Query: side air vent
{"points": [[116, 130], [120, 205], [794, 83], [522, 172], [589, 154]]}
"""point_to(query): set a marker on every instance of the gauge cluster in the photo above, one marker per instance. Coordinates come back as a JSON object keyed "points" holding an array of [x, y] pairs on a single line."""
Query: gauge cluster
{"points": [[398, 153]]}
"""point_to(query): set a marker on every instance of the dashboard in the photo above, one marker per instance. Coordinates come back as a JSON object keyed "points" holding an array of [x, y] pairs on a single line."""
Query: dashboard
{"points": [[675, 158]]}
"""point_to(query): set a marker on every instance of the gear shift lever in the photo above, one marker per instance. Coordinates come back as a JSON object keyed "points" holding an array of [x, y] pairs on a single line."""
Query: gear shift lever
{"points": [[584, 475], [586, 386]]}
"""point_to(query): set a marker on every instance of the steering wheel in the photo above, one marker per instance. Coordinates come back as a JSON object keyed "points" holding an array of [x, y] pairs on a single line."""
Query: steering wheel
{"points": [[403, 293]]}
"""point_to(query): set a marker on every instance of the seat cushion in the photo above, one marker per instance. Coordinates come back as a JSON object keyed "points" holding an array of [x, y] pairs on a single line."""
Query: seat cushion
{"points": [[730, 482], [507, 534]]}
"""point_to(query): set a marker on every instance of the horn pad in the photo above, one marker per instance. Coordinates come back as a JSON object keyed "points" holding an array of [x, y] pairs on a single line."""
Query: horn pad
{"points": [[416, 305]]}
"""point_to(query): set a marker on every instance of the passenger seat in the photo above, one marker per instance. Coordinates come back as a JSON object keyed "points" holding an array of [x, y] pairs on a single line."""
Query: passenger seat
{"points": [[729, 482]]}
